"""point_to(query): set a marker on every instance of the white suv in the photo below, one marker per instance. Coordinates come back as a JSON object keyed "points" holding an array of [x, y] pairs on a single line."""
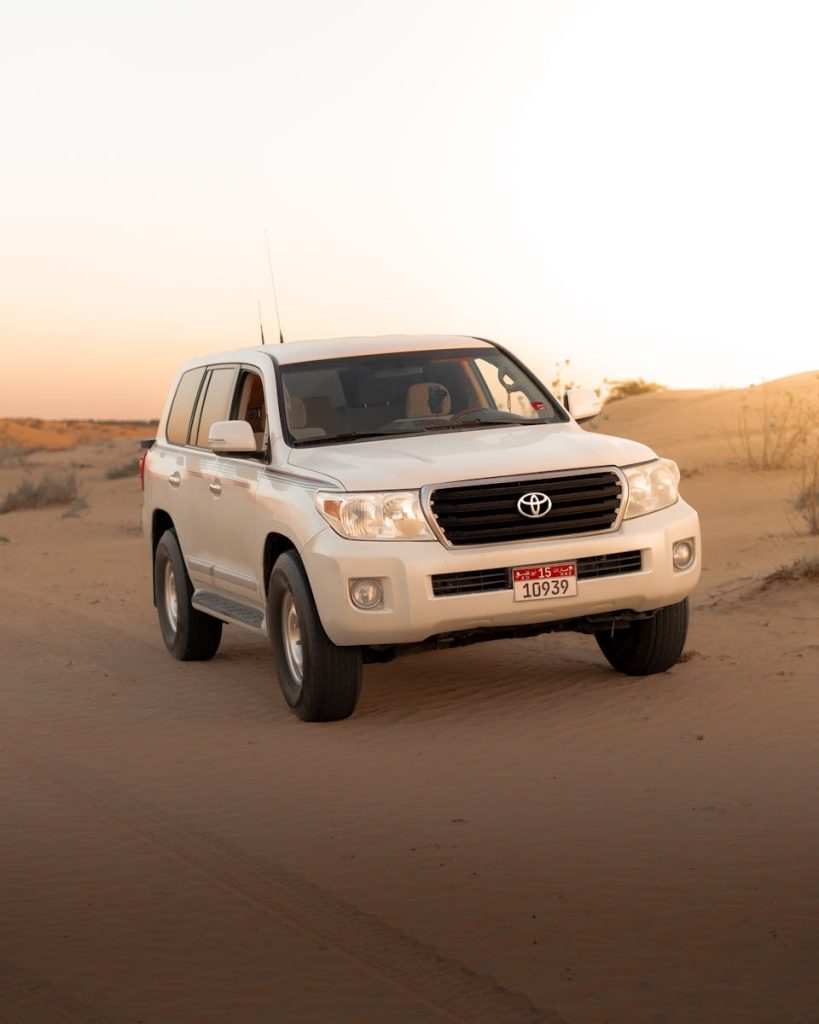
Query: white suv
{"points": [[358, 498]]}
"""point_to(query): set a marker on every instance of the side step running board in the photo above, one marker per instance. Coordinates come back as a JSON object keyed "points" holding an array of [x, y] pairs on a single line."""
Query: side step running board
{"points": [[230, 611]]}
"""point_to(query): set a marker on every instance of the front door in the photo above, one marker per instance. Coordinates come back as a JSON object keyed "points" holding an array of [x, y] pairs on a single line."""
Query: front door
{"points": [[226, 487]]}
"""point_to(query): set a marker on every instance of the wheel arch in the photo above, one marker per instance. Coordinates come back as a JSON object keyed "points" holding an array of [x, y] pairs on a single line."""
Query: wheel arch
{"points": [[160, 522], [275, 544]]}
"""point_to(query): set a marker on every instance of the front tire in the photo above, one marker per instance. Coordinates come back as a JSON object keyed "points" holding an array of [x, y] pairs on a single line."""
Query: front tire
{"points": [[320, 681], [650, 645], [189, 634]]}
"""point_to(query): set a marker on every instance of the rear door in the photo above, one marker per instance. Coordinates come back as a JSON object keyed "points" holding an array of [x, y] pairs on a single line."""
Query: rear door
{"points": [[170, 459]]}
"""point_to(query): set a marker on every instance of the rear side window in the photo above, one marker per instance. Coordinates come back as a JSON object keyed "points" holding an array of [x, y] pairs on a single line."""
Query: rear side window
{"points": [[179, 418], [216, 406]]}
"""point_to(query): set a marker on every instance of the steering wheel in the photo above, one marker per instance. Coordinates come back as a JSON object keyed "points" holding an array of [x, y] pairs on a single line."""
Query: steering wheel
{"points": [[465, 412]]}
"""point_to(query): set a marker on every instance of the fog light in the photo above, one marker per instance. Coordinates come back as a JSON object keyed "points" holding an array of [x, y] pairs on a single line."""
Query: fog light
{"points": [[683, 554], [366, 593]]}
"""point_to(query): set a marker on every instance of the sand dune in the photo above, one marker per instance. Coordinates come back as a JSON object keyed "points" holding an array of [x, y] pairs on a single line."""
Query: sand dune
{"points": [[510, 832], [699, 428]]}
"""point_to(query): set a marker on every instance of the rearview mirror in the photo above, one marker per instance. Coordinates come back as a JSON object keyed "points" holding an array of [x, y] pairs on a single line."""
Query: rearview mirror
{"points": [[231, 436], [583, 403], [507, 381]]}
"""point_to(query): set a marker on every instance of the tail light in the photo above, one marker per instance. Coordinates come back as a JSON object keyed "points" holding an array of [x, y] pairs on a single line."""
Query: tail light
{"points": [[142, 458]]}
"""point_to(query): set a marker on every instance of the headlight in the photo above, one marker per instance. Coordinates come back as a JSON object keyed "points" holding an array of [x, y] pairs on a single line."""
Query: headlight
{"points": [[382, 515], [651, 486]]}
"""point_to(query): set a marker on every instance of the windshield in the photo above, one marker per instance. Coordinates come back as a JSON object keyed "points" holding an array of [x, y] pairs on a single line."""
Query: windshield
{"points": [[361, 397]]}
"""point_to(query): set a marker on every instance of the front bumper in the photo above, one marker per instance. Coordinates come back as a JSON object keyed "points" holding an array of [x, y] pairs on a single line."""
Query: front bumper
{"points": [[411, 613]]}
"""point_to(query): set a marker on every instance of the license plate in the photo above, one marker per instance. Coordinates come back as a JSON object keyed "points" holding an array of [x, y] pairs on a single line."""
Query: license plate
{"points": [[538, 582]]}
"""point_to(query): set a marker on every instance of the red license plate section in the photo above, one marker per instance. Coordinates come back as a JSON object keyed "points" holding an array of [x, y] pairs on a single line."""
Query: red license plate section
{"points": [[540, 582]]}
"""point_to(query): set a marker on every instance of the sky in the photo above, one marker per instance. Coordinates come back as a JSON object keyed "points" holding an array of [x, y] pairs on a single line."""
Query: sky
{"points": [[632, 186]]}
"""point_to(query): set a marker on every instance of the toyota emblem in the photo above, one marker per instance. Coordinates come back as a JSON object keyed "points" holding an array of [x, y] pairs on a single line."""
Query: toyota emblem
{"points": [[534, 505]]}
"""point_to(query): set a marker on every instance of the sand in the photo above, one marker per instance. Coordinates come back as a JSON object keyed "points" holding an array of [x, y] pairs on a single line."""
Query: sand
{"points": [[509, 832]]}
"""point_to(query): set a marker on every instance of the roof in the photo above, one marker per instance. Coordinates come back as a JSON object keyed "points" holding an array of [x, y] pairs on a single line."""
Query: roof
{"points": [[334, 348]]}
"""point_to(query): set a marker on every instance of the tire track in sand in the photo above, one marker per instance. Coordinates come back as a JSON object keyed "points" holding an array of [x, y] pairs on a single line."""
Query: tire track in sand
{"points": [[446, 987], [75, 632], [27, 1000]]}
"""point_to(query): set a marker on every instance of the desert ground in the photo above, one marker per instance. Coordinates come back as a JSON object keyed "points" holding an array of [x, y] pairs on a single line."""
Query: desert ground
{"points": [[510, 832]]}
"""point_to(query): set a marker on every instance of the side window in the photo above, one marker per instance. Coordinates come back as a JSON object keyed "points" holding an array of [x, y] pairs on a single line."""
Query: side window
{"points": [[249, 405], [216, 405], [179, 418]]}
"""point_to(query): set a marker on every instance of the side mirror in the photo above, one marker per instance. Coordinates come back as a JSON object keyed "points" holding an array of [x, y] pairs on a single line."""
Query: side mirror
{"points": [[583, 403], [231, 436]]}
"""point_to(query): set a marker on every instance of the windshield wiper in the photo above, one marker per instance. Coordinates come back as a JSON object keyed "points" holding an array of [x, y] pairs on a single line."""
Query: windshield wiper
{"points": [[350, 435], [482, 422]]}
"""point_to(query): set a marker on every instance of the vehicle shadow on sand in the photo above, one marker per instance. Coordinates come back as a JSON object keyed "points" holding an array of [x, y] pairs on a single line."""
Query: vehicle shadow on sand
{"points": [[486, 679], [504, 677]]}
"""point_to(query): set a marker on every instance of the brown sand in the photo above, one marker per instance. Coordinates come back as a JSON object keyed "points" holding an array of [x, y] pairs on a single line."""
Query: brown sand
{"points": [[511, 832], [24, 436]]}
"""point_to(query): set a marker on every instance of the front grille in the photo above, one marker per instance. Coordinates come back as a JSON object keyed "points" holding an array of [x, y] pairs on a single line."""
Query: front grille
{"points": [[480, 581], [488, 513]]}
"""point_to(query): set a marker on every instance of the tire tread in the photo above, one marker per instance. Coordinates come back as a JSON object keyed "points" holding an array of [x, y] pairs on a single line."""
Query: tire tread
{"points": [[332, 675], [648, 646], [197, 635]]}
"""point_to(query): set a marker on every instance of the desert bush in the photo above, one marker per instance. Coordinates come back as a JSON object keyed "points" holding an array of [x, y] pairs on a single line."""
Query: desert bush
{"points": [[628, 388], [562, 381], [806, 502], [559, 384], [129, 468], [11, 455], [50, 490], [799, 569], [774, 430], [74, 509]]}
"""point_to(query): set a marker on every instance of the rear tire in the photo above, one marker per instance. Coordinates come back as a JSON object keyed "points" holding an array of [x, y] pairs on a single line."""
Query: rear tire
{"points": [[189, 634], [320, 681], [648, 645]]}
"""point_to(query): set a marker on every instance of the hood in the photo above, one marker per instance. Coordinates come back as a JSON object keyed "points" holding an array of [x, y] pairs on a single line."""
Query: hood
{"points": [[409, 463]]}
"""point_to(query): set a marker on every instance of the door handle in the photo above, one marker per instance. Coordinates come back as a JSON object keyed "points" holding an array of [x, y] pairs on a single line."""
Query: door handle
{"points": [[175, 479], [215, 487]]}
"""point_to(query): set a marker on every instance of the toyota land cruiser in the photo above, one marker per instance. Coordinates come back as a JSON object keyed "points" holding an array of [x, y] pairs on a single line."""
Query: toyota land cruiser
{"points": [[358, 498]]}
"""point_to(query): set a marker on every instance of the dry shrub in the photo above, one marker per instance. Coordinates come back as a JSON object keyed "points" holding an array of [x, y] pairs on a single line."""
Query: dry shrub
{"points": [[50, 490], [560, 384], [800, 569], [11, 455], [775, 430], [628, 388], [806, 502], [129, 469], [74, 509], [563, 382]]}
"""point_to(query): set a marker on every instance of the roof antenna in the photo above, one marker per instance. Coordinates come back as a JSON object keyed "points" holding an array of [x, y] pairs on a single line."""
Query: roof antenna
{"points": [[273, 282], [261, 325]]}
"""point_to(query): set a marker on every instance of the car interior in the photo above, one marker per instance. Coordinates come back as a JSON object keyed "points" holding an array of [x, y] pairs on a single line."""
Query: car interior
{"points": [[251, 407], [364, 396], [369, 398]]}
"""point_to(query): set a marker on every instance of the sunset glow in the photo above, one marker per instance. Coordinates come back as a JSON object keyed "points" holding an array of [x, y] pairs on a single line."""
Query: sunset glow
{"points": [[630, 186]]}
